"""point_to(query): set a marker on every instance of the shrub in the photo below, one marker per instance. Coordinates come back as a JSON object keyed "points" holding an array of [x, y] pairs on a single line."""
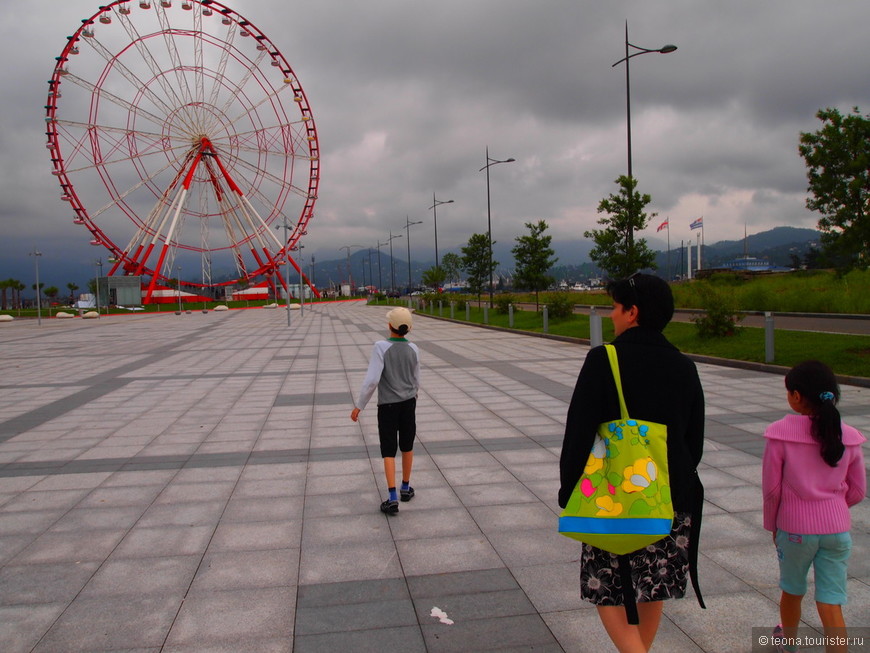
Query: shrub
{"points": [[503, 302], [721, 317], [461, 304], [560, 305]]}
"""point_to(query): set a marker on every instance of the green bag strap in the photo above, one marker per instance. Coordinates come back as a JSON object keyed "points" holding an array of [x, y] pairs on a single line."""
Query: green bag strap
{"points": [[614, 366]]}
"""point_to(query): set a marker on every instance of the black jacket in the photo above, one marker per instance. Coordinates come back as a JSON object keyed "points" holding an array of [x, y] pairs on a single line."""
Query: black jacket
{"points": [[660, 385]]}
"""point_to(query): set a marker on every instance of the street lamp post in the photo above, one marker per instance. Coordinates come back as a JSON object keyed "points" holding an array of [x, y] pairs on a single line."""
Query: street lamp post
{"points": [[299, 249], [408, 225], [380, 278], [349, 274], [286, 228], [178, 282], [392, 262], [36, 254], [99, 264], [663, 50], [489, 163], [436, 203]]}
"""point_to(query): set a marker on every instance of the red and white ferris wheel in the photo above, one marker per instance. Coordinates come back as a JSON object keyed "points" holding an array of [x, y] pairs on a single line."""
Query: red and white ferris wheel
{"points": [[179, 134]]}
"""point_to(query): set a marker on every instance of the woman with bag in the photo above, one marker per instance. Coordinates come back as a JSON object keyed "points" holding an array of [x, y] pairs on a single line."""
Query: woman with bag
{"points": [[659, 385]]}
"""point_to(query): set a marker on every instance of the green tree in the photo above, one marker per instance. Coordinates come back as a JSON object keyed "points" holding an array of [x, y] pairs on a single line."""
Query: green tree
{"points": [[72, 287], [616, 250], [434, 277], [838, 161], [451, 264], [50, 291], [476, 263], [17, 286], [533, 257], [5, 286]]}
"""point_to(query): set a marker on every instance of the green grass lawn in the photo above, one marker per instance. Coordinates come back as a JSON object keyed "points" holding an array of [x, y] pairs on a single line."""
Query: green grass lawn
{"points": [[846, 354]]}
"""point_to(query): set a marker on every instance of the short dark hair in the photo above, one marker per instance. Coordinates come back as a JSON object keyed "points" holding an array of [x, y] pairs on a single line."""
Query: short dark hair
{"points": [[651, 294]]}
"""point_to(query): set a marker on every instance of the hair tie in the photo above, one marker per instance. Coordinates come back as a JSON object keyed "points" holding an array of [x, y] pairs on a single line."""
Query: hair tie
{"points": [[827, 396]]}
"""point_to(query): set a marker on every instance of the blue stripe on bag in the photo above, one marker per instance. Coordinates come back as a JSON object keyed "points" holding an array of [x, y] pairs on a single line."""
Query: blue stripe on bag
{"points": [[642, 526]]}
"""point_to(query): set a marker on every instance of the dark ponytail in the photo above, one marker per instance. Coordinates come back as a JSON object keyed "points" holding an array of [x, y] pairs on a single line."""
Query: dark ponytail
{"points": [[401, 331], [818, 387]]}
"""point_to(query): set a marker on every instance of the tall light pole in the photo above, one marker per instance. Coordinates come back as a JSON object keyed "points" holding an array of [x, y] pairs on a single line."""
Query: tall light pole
{"points": [[408, 225], [663, 50], [380, 279], [489, 163], [349, 274], [299, 249], [99, 264], [435, 204], [36, 254], [392, 262], [286, 228], [178, 282]]}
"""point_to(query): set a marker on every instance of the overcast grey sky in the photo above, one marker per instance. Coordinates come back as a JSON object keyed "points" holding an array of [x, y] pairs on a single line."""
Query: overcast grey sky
{"points": [[407, 95]]}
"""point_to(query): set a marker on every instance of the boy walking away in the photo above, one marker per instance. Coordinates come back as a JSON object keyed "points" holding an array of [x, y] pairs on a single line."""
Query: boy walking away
{"points": [[394, 369]]}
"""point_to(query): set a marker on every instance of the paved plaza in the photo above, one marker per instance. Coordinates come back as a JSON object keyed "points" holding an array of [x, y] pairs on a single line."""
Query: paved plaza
{"points": [[194, 483]]}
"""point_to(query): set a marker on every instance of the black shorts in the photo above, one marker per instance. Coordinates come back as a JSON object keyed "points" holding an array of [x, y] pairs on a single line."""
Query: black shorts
{"points": [[397, 425]]}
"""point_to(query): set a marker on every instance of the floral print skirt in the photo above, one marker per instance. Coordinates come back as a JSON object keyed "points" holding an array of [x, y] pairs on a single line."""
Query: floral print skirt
{"points": [[658, 571]]}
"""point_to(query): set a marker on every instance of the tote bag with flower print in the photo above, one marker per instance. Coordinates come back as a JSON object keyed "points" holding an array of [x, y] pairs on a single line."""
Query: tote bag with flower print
{"points": [[622, 501]]}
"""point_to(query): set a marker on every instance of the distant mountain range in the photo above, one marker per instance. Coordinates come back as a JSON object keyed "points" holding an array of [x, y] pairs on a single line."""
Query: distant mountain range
{"points": [[776, 245], [573, 265]]}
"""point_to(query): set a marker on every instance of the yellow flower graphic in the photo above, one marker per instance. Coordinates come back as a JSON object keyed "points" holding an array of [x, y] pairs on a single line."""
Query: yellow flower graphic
{"points": [[593, 465], [596, 457], [639, 475], [607, 507]]}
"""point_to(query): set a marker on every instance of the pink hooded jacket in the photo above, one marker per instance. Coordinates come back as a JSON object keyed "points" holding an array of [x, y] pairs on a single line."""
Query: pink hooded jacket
{"points": [[802, 493]]}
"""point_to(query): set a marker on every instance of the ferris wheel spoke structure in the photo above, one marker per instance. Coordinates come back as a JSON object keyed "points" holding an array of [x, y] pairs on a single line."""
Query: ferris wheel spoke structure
{"points": [[181, 137]]}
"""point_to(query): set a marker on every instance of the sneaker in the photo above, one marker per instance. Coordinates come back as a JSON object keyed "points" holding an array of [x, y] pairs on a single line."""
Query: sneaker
{"points": [[408, 494], [390, 507], [777, 635]]}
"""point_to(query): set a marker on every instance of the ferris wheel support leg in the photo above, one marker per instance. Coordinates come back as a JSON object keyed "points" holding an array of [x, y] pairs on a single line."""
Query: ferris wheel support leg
{"points": [[305, 278], [179, 203]]}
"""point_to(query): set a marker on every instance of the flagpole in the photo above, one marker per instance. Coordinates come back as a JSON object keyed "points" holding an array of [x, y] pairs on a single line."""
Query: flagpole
{"points": [[670, 276]]}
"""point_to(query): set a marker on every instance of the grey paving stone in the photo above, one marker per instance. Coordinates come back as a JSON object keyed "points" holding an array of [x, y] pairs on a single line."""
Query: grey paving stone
{"points": [[348, 561], [94, 545], [107, 624], [523, 632], [247, 570], [371, 615], [122, 577], [34, 584], [22, 626], [256, 536], [446, 554], [233, 615]]}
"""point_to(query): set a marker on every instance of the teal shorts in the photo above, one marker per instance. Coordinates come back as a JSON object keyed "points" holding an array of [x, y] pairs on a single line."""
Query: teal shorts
{"points": [[827, 554]]}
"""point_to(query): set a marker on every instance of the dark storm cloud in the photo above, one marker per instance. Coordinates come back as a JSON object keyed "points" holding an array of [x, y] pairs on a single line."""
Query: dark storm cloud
{"points": [[407, 95]]}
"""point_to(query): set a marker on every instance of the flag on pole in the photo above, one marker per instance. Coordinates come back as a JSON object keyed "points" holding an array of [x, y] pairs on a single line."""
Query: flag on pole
{"points": [[697, 224], [663, 225]]}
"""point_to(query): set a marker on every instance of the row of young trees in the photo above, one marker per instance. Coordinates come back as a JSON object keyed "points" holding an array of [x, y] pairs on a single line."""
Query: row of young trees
{"points": [[10, 289], [533, 258]]}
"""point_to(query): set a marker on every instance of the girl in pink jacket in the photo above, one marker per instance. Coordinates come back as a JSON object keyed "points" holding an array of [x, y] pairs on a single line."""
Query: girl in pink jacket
{"points": [[812, 472]]}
